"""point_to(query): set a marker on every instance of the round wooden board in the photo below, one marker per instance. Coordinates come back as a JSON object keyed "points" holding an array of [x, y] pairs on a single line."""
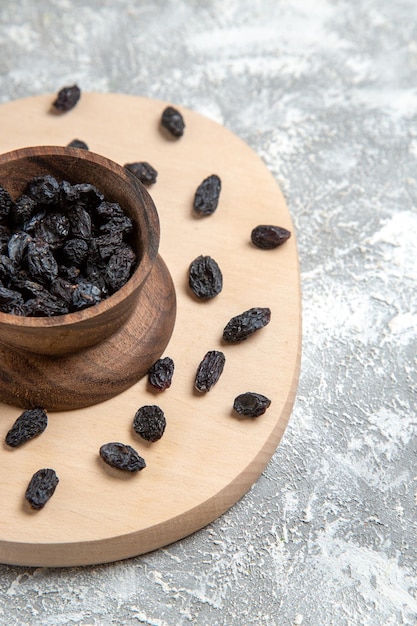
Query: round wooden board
{"points": [[208, 457]]}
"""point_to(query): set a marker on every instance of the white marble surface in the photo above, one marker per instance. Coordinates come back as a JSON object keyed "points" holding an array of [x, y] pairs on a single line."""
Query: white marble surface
{"points": [[326, 93]]}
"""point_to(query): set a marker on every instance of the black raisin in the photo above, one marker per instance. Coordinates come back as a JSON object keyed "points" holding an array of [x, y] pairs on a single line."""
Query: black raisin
{"points": [[24, 208], [17, 246], [43, 189], [207, 195], [119, 268], [160, 373], [205, 278], [85, 295], [41, 488], [122, 456], [268, 237], [173, 121], [74, 252], [53, 229], [149, 422], [28, 425], [242, 326], [67, 98], [46, 305], [144, 171], [80, 220], [251, 404], [11, 301], [4, 239], [78, 143], [6, 203], [209, 370], [42, 265]]}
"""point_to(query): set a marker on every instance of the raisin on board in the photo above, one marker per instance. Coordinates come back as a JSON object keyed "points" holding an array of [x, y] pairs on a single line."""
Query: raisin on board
{"points": [[122, 456], [242, 326], [144, 171], [67, 98], [268, 237], [78, 143], [173, 121], [207, 194], [149, 422], [160, 373], [251, 404], [205, 277], [41, 488], [209, 370]]}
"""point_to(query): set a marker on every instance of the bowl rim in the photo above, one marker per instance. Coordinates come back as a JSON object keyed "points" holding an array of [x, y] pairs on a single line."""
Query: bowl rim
{"points": [[148, 221]]}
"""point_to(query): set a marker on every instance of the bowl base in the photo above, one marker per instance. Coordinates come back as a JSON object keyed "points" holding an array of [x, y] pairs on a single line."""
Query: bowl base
{"points": [[103, 371]]}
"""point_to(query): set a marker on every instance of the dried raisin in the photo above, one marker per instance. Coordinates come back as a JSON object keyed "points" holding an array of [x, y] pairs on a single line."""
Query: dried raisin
{"points": [[206, 197], [41, 488], [209, 370], [160, 373], [122, 456], [144, 171], [251, 404], [268, 237], [205, 277], [173, 121], [242, 326], [62, 247], [149, 422], [67, 98], [78, 143]]}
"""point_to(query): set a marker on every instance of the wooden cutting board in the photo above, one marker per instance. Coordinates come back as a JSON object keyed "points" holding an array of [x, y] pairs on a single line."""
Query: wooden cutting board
{"points": [[208, 457]]}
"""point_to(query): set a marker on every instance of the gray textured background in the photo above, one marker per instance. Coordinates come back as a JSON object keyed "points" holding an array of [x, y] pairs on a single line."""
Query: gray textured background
{"points": [[326, 92]]}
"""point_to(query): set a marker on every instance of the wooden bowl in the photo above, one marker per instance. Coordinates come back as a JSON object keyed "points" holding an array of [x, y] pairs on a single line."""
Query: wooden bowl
{"points": [[65, 334]]}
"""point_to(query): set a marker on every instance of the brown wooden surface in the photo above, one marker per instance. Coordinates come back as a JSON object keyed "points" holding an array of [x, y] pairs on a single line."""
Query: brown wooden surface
{"points": [[207, 458]]}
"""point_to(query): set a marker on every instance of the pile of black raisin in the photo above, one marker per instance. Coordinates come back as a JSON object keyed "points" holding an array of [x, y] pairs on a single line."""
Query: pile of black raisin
{"points": [[63, 247]]}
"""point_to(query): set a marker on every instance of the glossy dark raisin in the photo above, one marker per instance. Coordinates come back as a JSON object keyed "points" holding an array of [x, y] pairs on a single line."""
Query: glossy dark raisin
{"points": [[28, 425], [160, 373], [173, 121], [144, 171], [209, 370], [80, 220], [242, 326], [206, 197], [63, 289], [85, 295], [6, 202], [119, 268], [74, 252], [24, 208], [43, 189], [41, 263], [17, 246], [67, 98], [53, 229], [7, 268], [251, 404], [41, 488], [205, 277], [269, 237], [46, 305], [122, 456], [149, 422], [78, 143], [11, 301], [4, 239]]}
